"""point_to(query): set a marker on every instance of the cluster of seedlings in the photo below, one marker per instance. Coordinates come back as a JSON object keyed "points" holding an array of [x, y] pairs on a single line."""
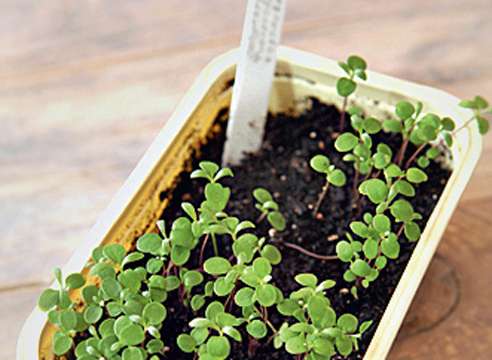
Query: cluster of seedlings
{"points": [[232, 294]]}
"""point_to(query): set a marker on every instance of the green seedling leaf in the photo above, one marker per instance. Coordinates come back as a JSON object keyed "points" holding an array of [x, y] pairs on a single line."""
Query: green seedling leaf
{"points": [[111, 288], [132, 353], [257, 329], [320, 163], [345, 86], [223, 287], [344, 345], [483, 125], [348, 323], [344, 251], [262, 267], [68, 319], [390, 247], [412, 231], [355, 62], [216, 265], [416, 176], [337, 178], [402, 210], [149, 243], [296, 345], [288, 307], [131, 334], [262, 195], [192, 278], [346, 142], [391, 125], [375, 189], [154, 313], [370, 248], [381, 223], [186, 343], [232, 332], [223, 173], [372, 125], [272, 254], [277, 220], [218, 346], [360, 268], [309, 280], [48, 299], [75, 281], [365, 326], [404, 110], [114, 252], [244, 297], [266, 295], [180, 255], [62, 343], [92, 314], [217, 196]]}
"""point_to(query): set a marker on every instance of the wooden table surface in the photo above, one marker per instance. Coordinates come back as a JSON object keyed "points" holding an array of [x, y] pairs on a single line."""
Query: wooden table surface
{"points": [[86, 85]]}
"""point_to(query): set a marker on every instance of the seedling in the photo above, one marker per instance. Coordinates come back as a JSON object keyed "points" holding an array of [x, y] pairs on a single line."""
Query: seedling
{"points": [[61, 311], [269, 209], [210, 336], [480, 107], [368, 256], [346, 86], [431, 126], [334, 176], [313, 330], [359, 148]]}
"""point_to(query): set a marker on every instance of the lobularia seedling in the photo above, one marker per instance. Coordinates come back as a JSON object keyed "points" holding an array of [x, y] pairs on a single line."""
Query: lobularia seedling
{"points": [[61, 311], [346, 86], [210, 335], [334, 176], [368, 256], [420, 130], [480, 107], [269, 209], [313, 330]]}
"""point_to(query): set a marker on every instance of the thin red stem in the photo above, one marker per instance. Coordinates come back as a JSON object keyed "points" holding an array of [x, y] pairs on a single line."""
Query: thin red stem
{"points": [[202, 250], [414, 155], [308, 253], [342, 114], [321, 197]]}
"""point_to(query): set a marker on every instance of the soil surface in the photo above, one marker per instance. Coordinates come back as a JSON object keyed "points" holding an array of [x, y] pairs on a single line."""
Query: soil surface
{"points": [[282, 167]]}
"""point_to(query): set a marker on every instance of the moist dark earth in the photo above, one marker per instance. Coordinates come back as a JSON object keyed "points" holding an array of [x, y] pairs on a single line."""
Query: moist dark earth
{"points": [[282, 167]]}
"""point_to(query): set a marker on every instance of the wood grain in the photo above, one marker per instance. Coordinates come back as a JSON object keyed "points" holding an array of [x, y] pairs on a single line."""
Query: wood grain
{"points": [[85, 86]]}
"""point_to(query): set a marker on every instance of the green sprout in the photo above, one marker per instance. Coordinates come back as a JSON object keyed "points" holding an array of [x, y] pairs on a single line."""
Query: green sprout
{"points": [[359, 148], [420, 130], [210, 171], [407, 115], [61, 311], [211, 211], [269, 209], [480, 107], [334, 176], [210, 336], [369, 255], [313, 330], [346, 85]]}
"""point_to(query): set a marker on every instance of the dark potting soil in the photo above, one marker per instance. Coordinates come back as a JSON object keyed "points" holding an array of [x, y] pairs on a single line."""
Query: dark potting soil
{"points": [[282, 167]]}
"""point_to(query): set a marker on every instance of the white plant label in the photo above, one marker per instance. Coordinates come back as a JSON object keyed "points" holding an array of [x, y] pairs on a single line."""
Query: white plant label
{"points": [[254, 75]]}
